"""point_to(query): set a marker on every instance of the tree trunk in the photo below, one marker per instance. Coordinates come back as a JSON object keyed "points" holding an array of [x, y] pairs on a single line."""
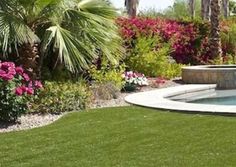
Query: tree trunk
{"points": [[205, 9], [131, 7], [29, 59], [215, 43], [225, 5], [192, 8]]}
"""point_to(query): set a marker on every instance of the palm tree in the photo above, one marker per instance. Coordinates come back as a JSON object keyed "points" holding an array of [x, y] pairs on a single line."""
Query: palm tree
{"points": [[131, 7], [192, 8], [74, 29], [205, 9], [215, 43], [225, 5]]}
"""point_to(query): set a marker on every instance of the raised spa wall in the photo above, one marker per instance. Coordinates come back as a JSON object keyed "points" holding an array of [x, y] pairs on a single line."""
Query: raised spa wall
{"points": [[224, 75]]}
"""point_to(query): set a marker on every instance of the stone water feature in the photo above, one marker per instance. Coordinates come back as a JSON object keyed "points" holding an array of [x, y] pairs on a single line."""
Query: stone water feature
{"points": [[222, 75]]}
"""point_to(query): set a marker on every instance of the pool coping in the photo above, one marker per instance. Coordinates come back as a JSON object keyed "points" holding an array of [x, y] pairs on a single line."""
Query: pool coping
{"points": [[158, 99], [210, 67]]}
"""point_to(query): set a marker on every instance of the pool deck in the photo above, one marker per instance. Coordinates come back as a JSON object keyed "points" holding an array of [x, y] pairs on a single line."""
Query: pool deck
{"points": [[158, 99]]}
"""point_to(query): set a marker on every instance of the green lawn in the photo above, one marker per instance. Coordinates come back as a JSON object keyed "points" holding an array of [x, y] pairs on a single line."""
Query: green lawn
{"points": [[124, 137]]}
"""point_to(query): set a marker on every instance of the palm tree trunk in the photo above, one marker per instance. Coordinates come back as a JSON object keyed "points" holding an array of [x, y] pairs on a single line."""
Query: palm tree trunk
{"points": [[205, 9], [29, 59], [225, 5], [215, 43], [131, 7], [192, 8]]}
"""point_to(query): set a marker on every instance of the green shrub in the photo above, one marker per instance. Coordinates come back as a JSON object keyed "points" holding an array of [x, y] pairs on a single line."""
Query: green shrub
{"points": [[228, 40], [62, 97], [107, 81], [108, 74], [151, 56]]}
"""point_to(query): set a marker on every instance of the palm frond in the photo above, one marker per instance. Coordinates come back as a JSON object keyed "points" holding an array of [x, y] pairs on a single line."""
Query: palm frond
{"points": [[98, 8], [14, 31], [99, 29], [72, 52]]}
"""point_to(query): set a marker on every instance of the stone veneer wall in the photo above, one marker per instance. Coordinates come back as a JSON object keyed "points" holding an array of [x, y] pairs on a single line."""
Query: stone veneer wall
{"points": [[224, 76]]}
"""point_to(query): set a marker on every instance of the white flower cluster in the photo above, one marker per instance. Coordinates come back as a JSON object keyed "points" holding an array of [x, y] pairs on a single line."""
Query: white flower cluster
{"points": [[135, 78]]}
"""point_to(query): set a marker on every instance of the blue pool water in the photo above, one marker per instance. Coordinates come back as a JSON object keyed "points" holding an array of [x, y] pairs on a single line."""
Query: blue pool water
{"points": [[216, 97], [231, 100]]}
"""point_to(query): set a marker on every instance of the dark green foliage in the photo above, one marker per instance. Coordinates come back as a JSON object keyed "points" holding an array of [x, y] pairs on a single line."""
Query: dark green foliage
{"points": [[62, 97]]}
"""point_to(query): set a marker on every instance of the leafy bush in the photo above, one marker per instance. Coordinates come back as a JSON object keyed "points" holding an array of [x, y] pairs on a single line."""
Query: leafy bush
{"points": [[62, 97], [173, 70], [150, 56], [108, 74], [228, 40], [15, 89], [188, 40], [107, 81]]}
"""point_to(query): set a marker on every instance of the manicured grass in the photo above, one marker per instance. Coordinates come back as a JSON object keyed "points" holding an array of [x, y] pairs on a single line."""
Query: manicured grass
{"points": [[124, 137]]}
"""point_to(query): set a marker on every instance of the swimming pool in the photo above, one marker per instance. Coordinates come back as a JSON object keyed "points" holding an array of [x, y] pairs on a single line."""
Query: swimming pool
{"points": [[188, 98], [211, 96], [217, 101], [218, 97]]}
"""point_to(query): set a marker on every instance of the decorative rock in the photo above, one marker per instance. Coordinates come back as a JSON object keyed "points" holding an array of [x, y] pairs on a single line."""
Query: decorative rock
{"points": [[29, 121]]}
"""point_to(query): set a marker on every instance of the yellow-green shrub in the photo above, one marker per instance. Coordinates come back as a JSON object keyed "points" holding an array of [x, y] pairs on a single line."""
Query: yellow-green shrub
{"points": [[62, 97], [150, 56]]}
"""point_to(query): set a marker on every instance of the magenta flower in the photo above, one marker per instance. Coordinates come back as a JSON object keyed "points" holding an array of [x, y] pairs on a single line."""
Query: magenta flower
{"points": [[19, 91], [24, 88], [30, 91], [30, 85], [19, 70], [26, 77], [38, 84], [9, 72], [7, 77], [6, 65]]}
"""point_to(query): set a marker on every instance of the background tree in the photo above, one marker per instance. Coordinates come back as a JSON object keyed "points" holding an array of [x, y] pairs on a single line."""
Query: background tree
{"points": [[225, 6], [179, 10], [74, 30], [192, 8], [205, 9], [131, 7], [215, 43]]}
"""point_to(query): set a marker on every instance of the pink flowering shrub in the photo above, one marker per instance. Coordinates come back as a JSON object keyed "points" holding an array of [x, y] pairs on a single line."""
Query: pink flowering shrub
{"points": [[188, 40], [16, 88]]}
